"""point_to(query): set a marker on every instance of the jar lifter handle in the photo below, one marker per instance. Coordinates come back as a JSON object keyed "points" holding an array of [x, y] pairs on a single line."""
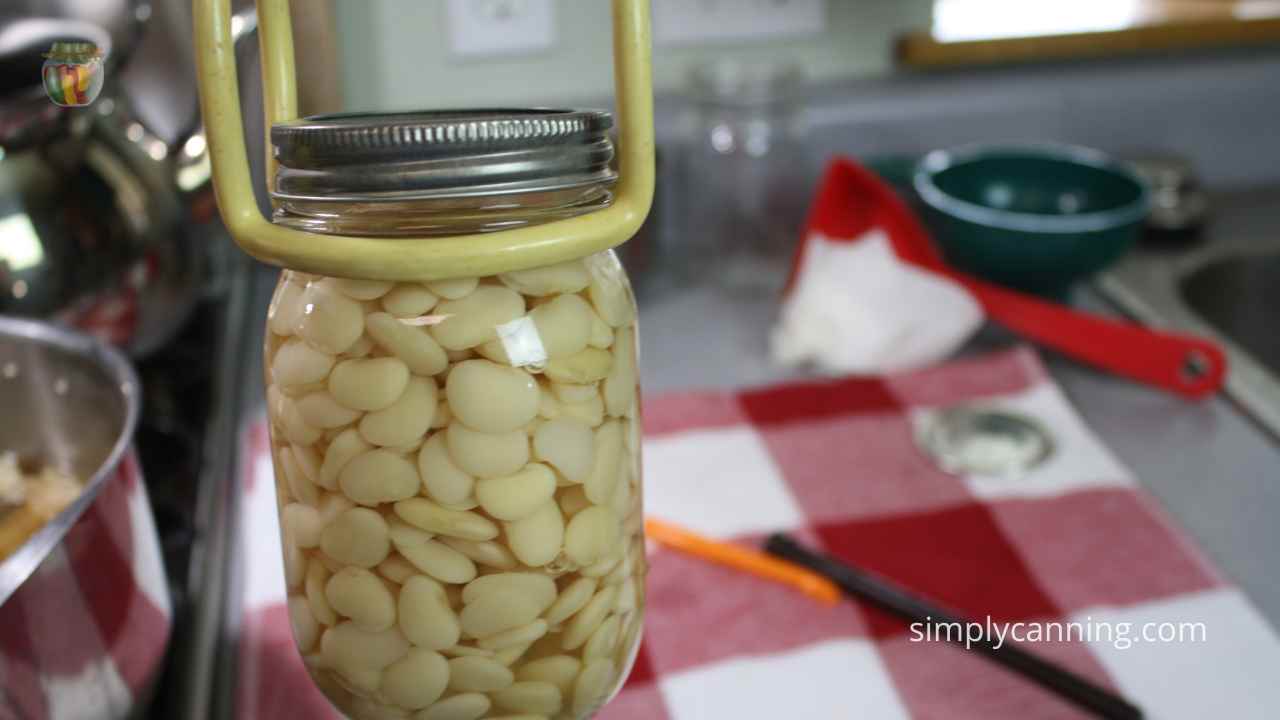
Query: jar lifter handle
{"points": [[410, 258]]}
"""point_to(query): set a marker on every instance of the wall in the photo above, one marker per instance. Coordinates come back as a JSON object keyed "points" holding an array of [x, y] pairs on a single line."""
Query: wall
{"points": [[1218, 108], [395, 54]]}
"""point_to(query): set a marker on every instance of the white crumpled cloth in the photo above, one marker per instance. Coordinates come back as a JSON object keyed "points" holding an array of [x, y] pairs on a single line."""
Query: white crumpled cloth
{"points": [[856, 308]]}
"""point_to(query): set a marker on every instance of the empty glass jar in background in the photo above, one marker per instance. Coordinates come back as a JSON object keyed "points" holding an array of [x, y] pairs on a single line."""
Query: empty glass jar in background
{"points": [[745, 173], [457, 460]]}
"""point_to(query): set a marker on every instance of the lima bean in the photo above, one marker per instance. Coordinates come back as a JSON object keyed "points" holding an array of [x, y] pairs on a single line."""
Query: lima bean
{"points": [[471, 320], [463, 706], [536, 539], [329, 321], [379, 476], [478, 674], [357, 536], [486, 455], [568, 445], [412, 345], [517, 496], [368, 383], [491, 398], [442, 479], [425, 616], [416, 680]]}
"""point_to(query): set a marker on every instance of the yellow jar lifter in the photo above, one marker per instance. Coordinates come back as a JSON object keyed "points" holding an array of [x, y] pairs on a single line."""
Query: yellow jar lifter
{"points": [[416, 259]]}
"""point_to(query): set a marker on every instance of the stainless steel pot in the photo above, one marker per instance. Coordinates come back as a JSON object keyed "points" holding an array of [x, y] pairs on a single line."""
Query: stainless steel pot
{"points": [[105, 225], [95, 231], [95, 235], [84, 610]]}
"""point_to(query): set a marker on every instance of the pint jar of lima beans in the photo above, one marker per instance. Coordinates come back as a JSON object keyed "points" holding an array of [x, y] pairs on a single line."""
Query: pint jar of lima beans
{"points": [[457, 460]]}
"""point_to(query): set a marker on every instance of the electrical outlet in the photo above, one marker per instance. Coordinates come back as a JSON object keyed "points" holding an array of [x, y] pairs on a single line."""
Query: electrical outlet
{"points": [[501, 27], [680, 22]]}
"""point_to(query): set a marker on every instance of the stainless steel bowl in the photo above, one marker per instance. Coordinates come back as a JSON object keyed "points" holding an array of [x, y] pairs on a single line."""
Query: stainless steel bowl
{"points": [[84, 610], [107, 218]]}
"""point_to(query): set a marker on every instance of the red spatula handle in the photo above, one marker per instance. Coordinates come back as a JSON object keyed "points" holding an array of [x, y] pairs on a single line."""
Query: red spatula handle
{"points": [[851, 200], [1180, 363]]}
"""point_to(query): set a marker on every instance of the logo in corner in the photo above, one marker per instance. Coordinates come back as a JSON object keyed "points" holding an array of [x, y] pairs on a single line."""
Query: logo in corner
{"points": [[73, 73]]}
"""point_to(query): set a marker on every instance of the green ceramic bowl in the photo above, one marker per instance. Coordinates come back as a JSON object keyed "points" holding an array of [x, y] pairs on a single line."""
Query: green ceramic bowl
{"points": [[1032, 217]]}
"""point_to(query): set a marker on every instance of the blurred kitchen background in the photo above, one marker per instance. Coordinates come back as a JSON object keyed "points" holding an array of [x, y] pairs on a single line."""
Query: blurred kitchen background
{"points": [[753, 98]]}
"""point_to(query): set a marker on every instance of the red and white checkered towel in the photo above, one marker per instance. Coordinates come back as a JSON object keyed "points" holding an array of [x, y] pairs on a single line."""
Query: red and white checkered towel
{"points": [[833, 463], [85, 634]]}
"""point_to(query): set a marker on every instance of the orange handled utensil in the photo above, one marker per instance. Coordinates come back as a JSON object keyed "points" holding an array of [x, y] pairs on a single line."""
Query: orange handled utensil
{"points": [[752, 561]]}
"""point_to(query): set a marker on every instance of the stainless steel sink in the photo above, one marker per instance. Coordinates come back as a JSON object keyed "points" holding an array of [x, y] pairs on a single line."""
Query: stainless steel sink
{"points": [[1226, 288], [1241, 297]]}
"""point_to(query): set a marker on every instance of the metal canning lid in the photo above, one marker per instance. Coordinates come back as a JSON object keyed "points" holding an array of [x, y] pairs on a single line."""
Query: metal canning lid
{"points": [[67, 49], [982, 440], [384, 157]]}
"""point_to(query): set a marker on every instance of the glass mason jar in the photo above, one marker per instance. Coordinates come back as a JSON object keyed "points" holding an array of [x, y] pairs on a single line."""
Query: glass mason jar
{"points": [[747, 163], [457, 460]]}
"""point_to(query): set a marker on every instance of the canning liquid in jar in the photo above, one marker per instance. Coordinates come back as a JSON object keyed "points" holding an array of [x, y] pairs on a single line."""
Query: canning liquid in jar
{"points": [[458, 477]]}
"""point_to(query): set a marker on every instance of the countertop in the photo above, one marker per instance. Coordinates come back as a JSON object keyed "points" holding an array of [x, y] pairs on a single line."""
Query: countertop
{"points": [[1214, 470]]}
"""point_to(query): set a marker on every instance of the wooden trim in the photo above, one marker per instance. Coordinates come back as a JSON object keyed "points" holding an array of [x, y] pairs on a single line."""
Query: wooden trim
{"points": [[922, 50]]}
